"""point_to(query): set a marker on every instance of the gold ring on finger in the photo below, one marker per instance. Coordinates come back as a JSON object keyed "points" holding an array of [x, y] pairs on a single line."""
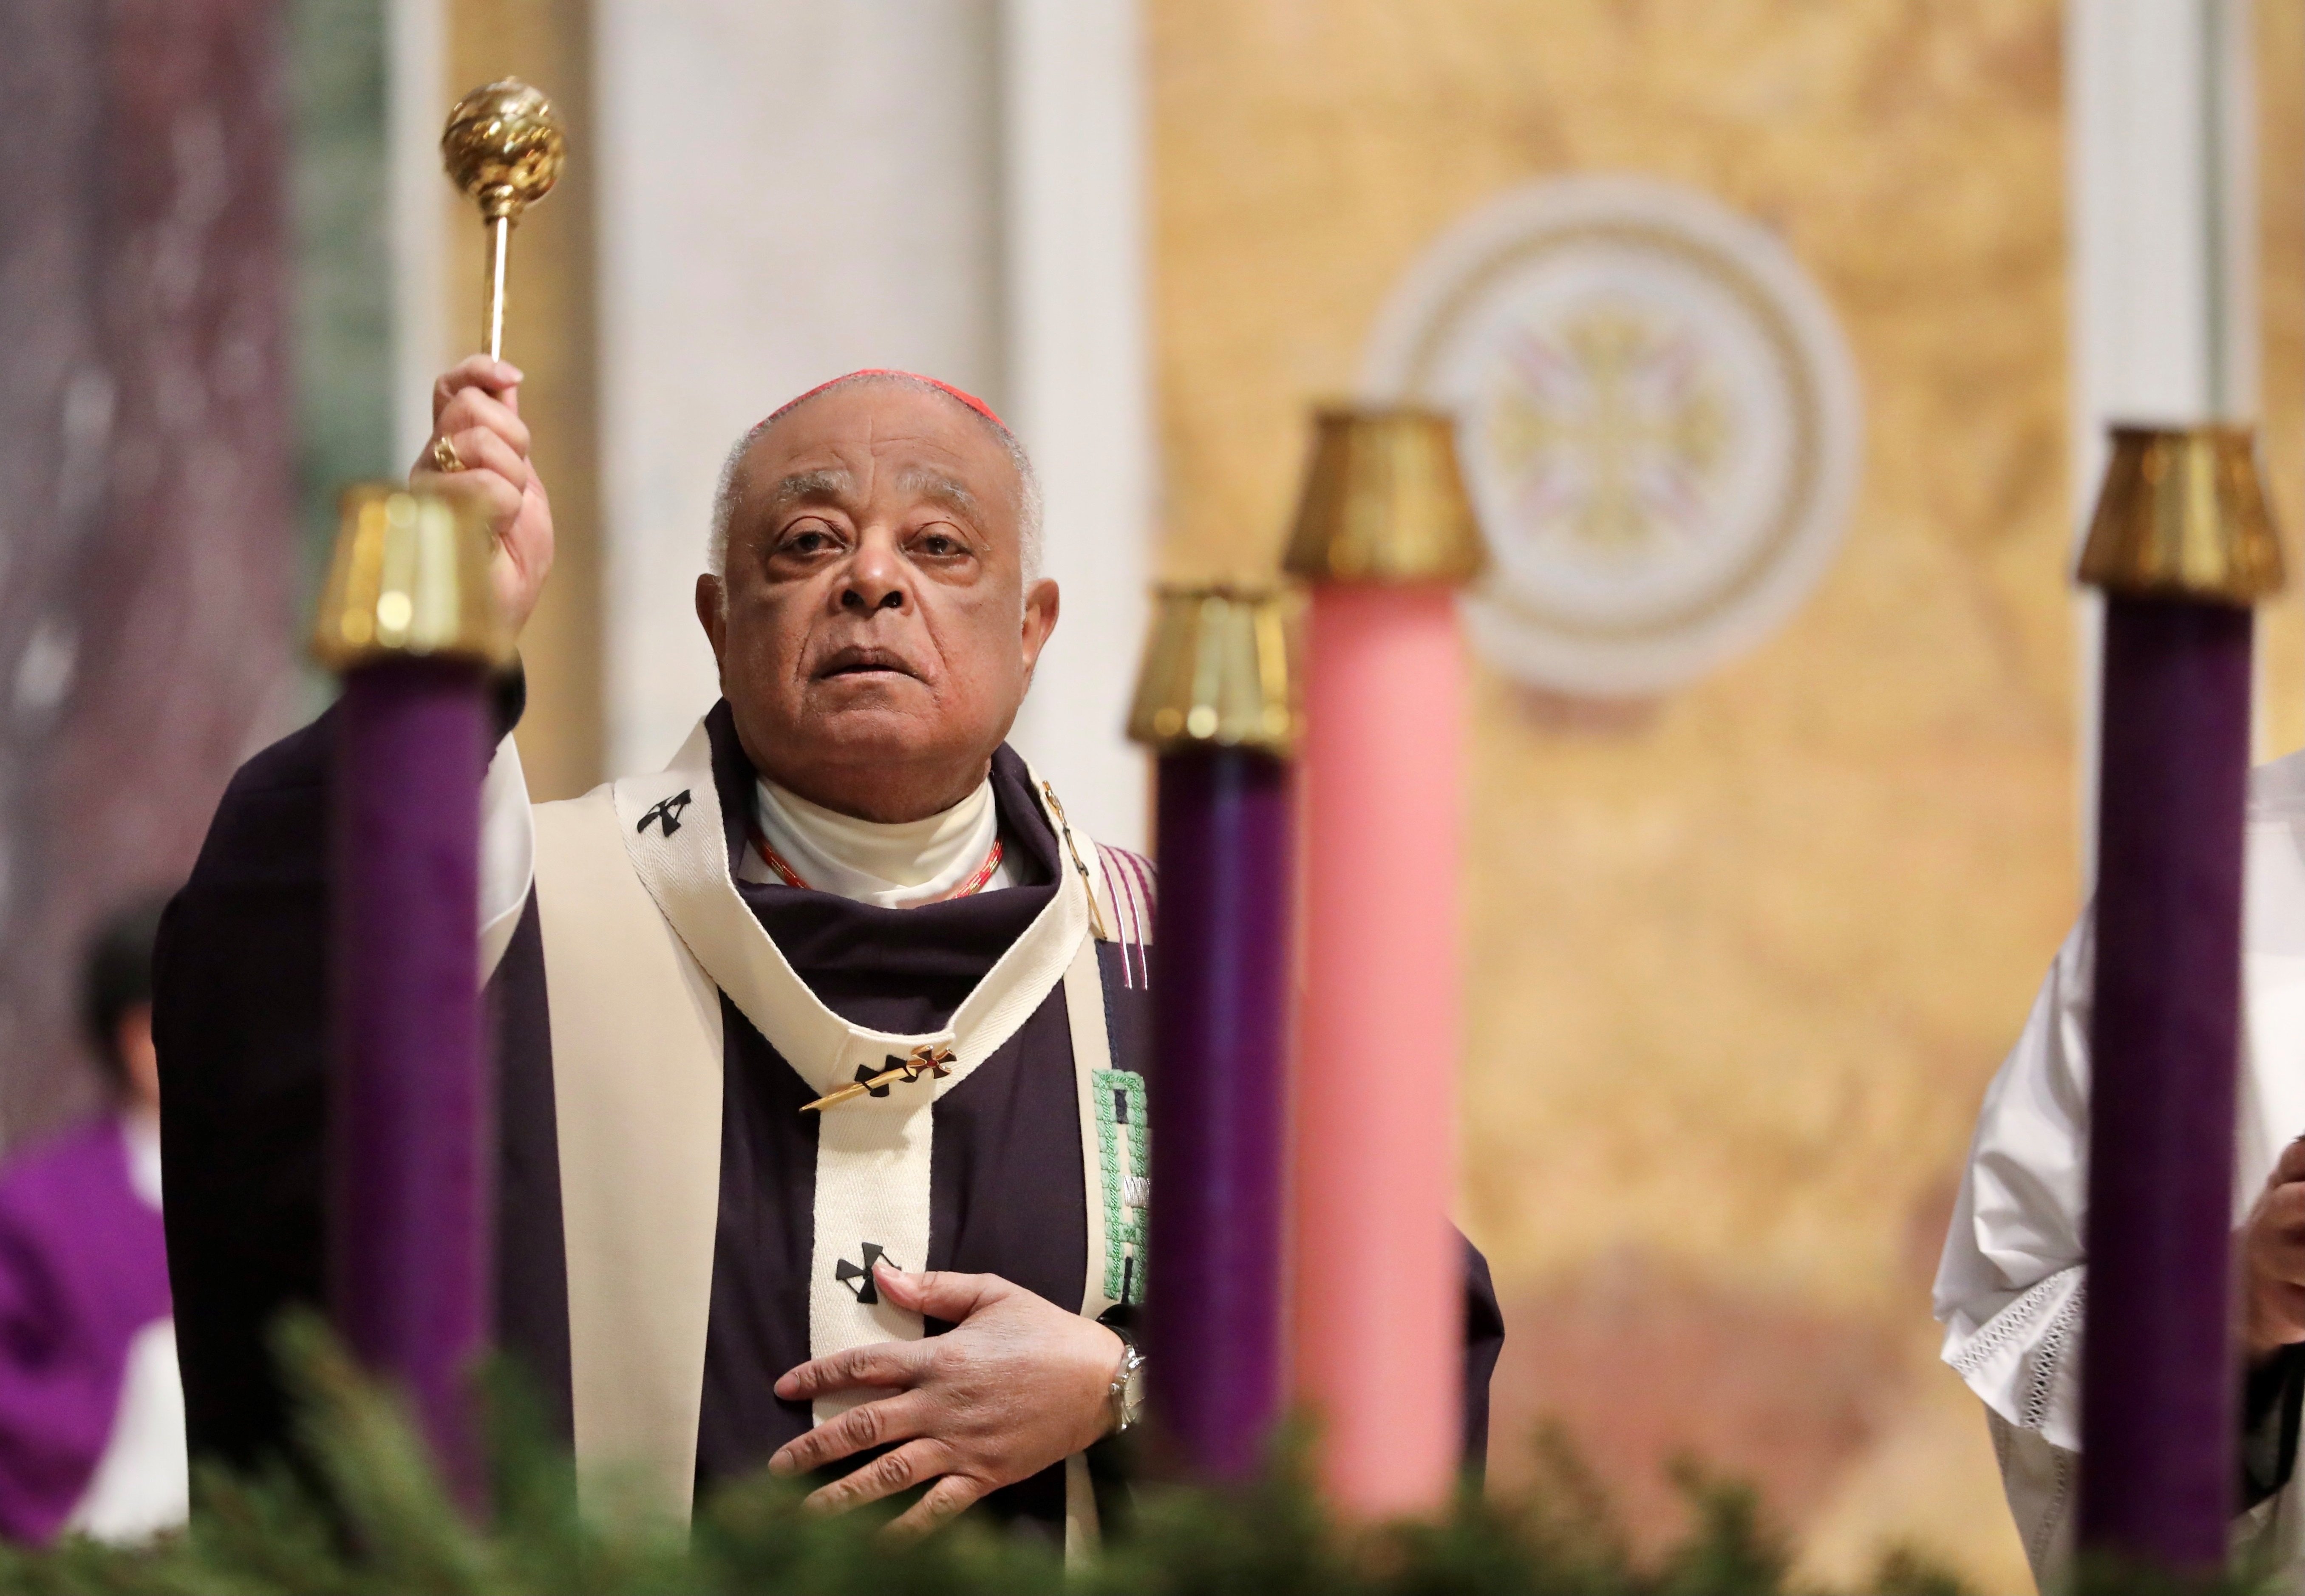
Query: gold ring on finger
{"points": [[444, 455]]}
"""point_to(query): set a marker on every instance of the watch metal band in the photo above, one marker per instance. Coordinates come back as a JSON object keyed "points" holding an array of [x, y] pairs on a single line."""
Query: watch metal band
{"points": [[1127, 1393]]}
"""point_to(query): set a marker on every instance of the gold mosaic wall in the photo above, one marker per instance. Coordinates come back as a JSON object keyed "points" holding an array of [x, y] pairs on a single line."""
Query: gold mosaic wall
{"points": [[2281, 314], [1745, 957]]}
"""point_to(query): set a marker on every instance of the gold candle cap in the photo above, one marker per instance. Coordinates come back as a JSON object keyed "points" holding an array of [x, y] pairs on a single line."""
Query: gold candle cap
{"points": [[1218, 671], [2182, 514], [504, 146], [410, 578], [1384, 502]]}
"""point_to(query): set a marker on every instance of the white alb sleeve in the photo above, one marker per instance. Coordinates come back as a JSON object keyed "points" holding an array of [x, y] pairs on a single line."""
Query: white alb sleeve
{"points": [[2010, 1286], [508, 852]]}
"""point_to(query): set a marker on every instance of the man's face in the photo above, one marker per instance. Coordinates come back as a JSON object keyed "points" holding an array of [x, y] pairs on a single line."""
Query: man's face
{"points": [[874, 637]]}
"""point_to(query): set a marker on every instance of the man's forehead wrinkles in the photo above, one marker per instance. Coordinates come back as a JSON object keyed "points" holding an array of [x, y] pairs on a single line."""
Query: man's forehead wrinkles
{"points": [[816, 482], [847, 451]]}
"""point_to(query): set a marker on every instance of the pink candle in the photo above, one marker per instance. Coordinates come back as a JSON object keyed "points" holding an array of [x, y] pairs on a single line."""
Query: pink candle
{"points": [[1380, 1293], [1378, 1335]]}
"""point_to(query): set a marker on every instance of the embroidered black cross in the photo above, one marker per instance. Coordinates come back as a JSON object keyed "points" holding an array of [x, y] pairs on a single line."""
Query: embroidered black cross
{"points": [[668, 811], [860, 1280]]}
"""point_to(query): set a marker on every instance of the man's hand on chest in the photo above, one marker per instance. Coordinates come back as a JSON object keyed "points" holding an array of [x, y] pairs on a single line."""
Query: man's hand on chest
{"points": [[1018, 1384]]}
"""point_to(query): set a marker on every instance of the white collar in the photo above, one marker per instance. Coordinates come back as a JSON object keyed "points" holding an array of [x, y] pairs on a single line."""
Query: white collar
{"points": [[894, 866]]}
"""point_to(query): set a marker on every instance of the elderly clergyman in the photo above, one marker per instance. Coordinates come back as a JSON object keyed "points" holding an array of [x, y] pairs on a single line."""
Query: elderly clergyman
{"points": [[925, 1287]]}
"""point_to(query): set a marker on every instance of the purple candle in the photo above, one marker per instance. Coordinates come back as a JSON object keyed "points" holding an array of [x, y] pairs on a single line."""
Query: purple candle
{"points": [[2175, 540], [409, 619], [409, 1118], [1218, 1107], [2158, 1378], [1216, 700]]}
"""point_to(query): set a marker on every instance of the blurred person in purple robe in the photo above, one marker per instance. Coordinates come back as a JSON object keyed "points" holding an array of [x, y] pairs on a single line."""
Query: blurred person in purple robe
{"points": [[91, 1408]]}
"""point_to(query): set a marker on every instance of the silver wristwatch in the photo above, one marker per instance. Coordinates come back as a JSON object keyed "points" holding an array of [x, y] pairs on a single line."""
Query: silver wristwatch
{"points": [[1127, 1394]]}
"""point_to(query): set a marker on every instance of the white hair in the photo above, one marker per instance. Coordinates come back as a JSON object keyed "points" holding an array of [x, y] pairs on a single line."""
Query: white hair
{"points": [[1028, 484]]}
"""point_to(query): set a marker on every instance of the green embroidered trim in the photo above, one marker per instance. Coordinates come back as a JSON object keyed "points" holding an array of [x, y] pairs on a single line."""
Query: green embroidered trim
{"points": [[1127, 1170]]}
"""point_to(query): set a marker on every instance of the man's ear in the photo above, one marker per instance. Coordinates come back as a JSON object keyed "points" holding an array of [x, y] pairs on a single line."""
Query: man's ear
{"points": [[712, 612], [1040, 620]]}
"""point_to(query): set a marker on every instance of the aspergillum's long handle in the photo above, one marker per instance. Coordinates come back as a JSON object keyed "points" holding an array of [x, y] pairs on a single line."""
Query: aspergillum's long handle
{"points": [[492, 310]]}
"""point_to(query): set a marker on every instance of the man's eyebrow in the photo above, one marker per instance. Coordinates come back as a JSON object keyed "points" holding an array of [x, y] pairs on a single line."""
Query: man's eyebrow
{"points": [[941, 489], [801, 487]]}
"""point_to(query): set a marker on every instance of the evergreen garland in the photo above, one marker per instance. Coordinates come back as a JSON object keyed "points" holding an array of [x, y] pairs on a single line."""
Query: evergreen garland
{"points": [[370, 1518]]}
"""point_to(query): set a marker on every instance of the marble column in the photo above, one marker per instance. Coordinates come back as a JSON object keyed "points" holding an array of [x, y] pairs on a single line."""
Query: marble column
{"points": [[1077, 384], [788, 192], [2161, 178], [148, 559]]}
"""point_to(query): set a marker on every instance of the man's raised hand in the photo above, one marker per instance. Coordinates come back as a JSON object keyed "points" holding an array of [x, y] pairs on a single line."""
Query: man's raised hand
{"points": [[476, 416], [1018, 1384], [2272, 1256]]}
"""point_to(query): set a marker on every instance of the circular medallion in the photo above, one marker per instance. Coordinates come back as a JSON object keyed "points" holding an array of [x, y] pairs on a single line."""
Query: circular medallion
{"points": [[1658, 420]]}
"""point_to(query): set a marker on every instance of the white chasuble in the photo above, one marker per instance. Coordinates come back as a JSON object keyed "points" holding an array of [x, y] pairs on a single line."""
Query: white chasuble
{"points": [[642, 931]]}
